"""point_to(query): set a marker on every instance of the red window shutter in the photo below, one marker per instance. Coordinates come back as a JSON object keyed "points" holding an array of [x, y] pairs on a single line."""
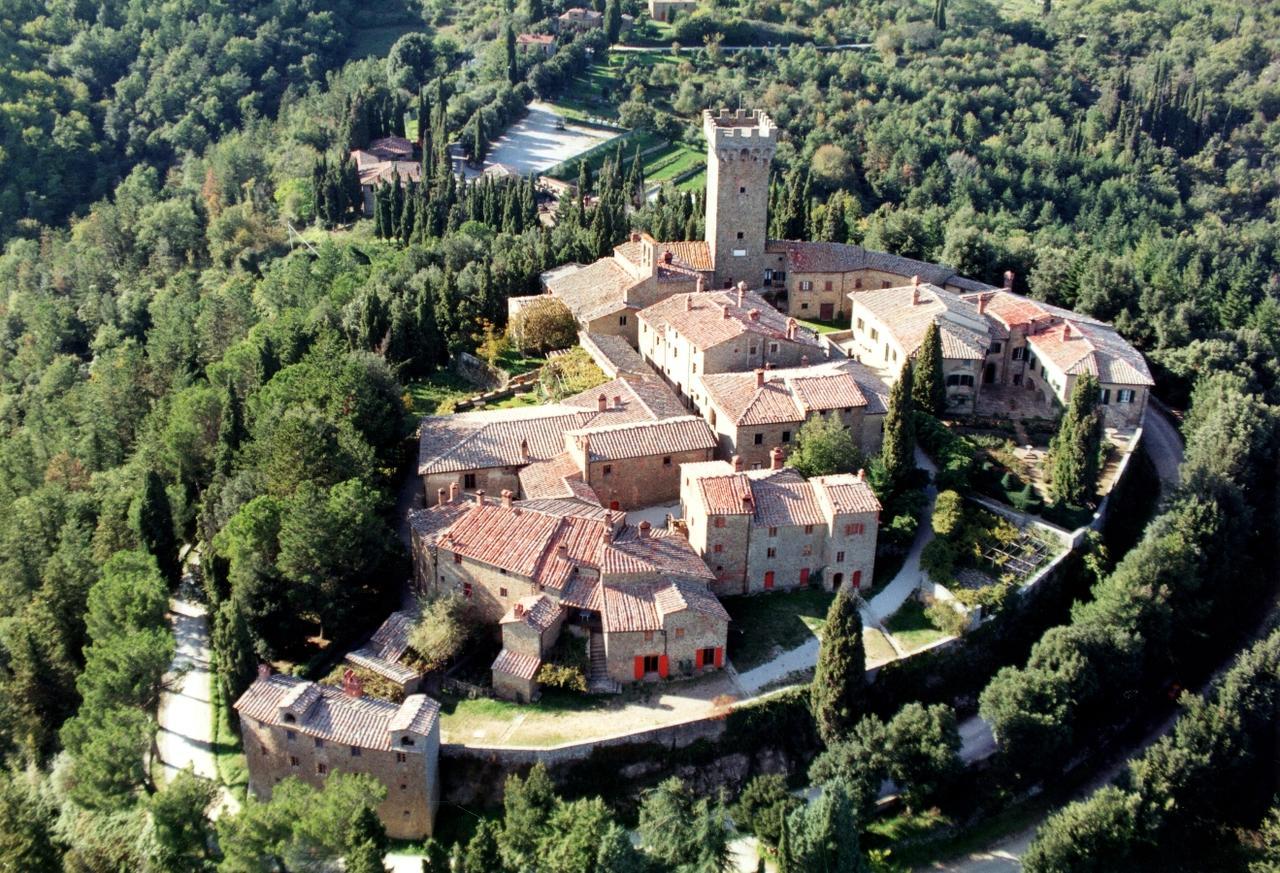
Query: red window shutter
{"points": [[662, 666], [804, 575], [697, 659], [639, 666], [857, 579], [719, 656]]}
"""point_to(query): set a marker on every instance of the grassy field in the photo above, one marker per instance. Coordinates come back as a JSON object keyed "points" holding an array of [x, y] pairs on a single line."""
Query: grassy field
{"points": [[876, 646], [761, 626], [912, 628], [375, 42], [824, 326], [442, 389], [694, 183], [675, 159]]}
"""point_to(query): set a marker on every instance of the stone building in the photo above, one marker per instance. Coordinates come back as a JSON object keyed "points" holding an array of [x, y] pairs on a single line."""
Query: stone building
{"points": [[543, 44], [740, 148], [630, 466], [390, 158], [690, 335], [635, 592], [752, 412], [292, 727], [384, 654], [767, 530], [666, 10]]}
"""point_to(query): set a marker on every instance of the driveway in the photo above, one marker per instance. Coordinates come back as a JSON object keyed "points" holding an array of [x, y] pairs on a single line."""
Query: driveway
{"points": [[1163, 443], [887, 602], [534, 144]]}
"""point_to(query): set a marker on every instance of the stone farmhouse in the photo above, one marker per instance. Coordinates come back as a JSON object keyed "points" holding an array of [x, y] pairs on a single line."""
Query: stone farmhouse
{"points": [[640, 593], [751, 413], [688, 336], [618, 445], [292, 727], [666, 10], [1001, 346], [388, 158], [384, 654], [537, 43], [767, 530]]}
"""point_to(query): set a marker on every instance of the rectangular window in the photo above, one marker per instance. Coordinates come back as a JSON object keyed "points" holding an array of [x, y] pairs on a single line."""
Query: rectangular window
{"points": [[322, 769], [1104, 396], [839, 557], [1019, 353], [759, 439], [466, 590], [718, 521], [773, 347], [739, 234], [804, 305], [808, 549], [355, 751], [786, 436], [622, 320], [457, 558], [651, 663], [319, 743], [1124, 395], [666, 461], [751, 350], [996, 348], [502, 592], [772, 552], [469, 481], [855, 529], [828, 287], [401, 757], [808, 528], [679, 632], [607, 469], [806, 286], [648, 636], [875, 335], [293, 761], [773, 531], [861, 325], [718, 548]]}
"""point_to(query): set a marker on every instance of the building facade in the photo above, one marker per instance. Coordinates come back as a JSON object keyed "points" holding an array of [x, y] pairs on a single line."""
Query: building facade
{"points": [[293, 727], [740, 149]]}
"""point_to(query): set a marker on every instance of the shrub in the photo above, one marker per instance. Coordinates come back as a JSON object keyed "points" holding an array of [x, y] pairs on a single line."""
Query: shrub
{"points": [[953, 454], [563, 676], [763, 804], [948, 513], [544, 325], [938, 559], [947, 618]]}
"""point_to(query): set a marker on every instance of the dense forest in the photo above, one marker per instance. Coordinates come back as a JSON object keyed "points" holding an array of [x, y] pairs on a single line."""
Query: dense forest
{"points": [[201, 346]]}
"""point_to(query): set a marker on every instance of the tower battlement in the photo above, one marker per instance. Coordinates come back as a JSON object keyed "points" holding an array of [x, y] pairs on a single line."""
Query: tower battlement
{"points": [[728, 129]]}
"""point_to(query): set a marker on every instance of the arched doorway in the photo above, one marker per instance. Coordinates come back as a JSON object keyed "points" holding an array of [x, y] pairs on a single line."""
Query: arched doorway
{"points": [[989, 374], [836, 581]]}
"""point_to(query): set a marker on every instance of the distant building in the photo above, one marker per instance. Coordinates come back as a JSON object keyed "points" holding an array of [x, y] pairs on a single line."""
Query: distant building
{"points": [[386, 159], [768, 530], [666, 10], [539, 43], [579, 19], [292, 727]]}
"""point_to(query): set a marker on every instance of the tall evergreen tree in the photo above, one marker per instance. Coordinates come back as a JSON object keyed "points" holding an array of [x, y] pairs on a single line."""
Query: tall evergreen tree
{"points": [[833, 225], [513, 67], [1073, 452], [368, 843], [231, 431], [940, 14], [234, 645], [928, 387], [612, 21], [897, 454], [836, 695], [153, 521], [827, 833]]}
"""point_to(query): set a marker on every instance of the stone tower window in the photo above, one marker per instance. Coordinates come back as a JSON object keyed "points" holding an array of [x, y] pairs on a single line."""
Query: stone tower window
{"points": [[740, 237], [742, 189]]}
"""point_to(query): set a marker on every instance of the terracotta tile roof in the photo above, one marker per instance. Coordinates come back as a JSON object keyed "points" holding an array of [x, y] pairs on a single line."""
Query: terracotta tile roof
{"points": [[597, 289], [539, 39], [583, 592], [727, 495], [538, 611], [513, 664], [383, 651], [327, 713], [662, 552], [783, 497], [678, 596], [645, 438], [688, 257], [479, 440], [510, 539], [964, 332], [1080, 348], [614, 355], [701, 318], [429, 522], [383, 171], [826, 257], [582, 539], [629, 608], [846, 493], [789, 395], [562, 507], [643, 399], [392, 148], [550, 478]]}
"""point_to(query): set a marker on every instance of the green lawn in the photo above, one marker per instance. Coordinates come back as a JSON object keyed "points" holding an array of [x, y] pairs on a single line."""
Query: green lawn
{"points": [[376, 41], [876, 646], [912, 628], [824, 326], [550, 720], [672, 161], [694, 183], [529, 398], [228, 751], [438, 392], [764, 623]]}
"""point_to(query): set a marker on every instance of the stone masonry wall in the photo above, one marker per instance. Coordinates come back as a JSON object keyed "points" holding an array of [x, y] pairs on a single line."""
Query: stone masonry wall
{"points": [[638, 482]]}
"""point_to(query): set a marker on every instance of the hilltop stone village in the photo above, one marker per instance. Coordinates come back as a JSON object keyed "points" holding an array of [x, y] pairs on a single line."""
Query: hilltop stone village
{"points": [[536, 515]]}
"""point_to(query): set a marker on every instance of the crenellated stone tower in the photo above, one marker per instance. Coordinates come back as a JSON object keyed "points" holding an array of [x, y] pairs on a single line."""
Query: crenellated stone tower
{"points": [[740, 147]]}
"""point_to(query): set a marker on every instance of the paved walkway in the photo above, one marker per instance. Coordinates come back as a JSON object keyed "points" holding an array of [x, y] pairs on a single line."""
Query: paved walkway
{"points": [[887, 602], [535, 144], [1163, 444]]}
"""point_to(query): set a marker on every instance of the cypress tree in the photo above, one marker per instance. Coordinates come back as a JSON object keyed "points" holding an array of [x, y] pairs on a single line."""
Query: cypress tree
{"points": [[153, 521], [477, 141], [928, 387], [233, 643], [231, 431], [833, 226], [836, 695], [268, 360], [897, 454], [368, 843], [784, 847], [940, 14], [1073, 452], [513, 68], [612, 21]]}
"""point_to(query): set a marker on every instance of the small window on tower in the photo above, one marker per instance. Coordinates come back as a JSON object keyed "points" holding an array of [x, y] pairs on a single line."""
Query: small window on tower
{"points": [[739, 234], [742, 189]]}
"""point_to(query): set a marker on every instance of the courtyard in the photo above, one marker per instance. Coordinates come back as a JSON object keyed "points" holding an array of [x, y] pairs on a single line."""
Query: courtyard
{"points": [[534, 143]]}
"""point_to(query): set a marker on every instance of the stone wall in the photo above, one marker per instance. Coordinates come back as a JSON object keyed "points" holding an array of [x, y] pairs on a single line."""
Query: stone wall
{"points": [[638, 482], [480, 373]]}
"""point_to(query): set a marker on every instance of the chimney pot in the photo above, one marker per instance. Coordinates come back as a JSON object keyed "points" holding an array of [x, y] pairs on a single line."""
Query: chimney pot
{"points": [[635, 236], [617, 401], [737, 459], [440, 498], [759, 378], [519, 610], [666, 256], [982, 303], [351, 684], [862, 475], [688, 303], [602, 403], [562, 550], [753, 314], [1066, 330], [1008, 280], [701, 284], [915, 294], [264, 671], [724, 310], [524, 449], [915, 280], [506, 497], [775, 458], [454, 488], [747, 502], [480, 497], [643, 528]]}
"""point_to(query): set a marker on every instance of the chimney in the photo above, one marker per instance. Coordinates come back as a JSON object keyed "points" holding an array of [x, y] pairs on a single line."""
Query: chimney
{"points": [[688, 302], [602, 403], [862, 475], [351, 684], [666, 256], [1008, 280], [1066, 330], [606, 536], [742, 291], [724, 310], [585, 442], [635, 236], [562, 551], [454, 488], [915, 291], [440, 500], [518, 609], [753, 314], [702, 284], [804, 360], [747, 503], [480, 497], [643, 528], [982, 304], [737, 461], [524, 450], [506, 498], [775, 458], [617, 401], [264, 671], [759, 378], [791, 328]]}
